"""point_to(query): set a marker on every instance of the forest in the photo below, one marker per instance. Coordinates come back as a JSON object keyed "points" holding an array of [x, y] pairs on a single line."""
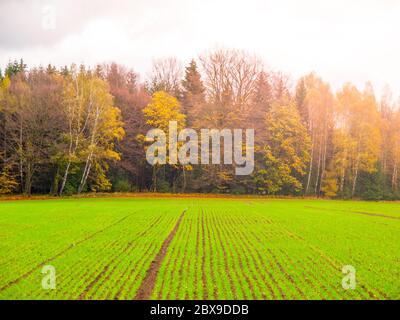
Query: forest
{"points": [[80, 129]]}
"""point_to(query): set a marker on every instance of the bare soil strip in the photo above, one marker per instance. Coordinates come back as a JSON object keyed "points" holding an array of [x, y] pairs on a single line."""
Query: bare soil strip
{"points": [[70, 247], [124, 252], [122, 292], [177, 273], [357, 212], [147, 286]]}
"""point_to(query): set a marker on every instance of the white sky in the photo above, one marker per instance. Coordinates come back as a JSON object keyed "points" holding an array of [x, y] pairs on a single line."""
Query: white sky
{"points": [[341, 40]]}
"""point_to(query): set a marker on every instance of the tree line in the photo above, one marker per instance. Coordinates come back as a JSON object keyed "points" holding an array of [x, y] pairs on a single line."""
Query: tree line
{"points": [[79, 129]]}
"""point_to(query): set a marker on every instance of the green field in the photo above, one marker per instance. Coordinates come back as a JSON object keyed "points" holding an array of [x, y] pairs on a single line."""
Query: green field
{"points": [[194, 248]]}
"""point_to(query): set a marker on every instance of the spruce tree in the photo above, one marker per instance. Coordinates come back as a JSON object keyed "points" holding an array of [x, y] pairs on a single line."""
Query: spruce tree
{"points": [[193, 93]]}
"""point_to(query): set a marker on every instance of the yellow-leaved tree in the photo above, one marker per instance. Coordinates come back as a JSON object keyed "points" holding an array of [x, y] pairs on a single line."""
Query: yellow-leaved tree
{"points": [[286, 152], [162, 109], [394, 143], [104, 128], [8, 183], [94, 124], [315, 102], [356, 139]]}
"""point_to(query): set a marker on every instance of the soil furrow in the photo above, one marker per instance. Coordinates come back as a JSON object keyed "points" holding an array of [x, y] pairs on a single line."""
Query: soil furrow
{"points": [[356, 212], [129, 246], [147, 286]]}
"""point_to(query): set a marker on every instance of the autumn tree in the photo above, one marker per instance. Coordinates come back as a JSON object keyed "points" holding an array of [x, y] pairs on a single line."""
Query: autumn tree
{"points": [[15, 67], [162, 109], [281, 85], [394, 156], [231, 79], [301, 94], [315, 105], [261, 104], [78, 129], [286, 152], [193, 94], [8, 182], [357, 136], [166, 75], [104, 128], [93, 127], [131, 97], [32, 123]]}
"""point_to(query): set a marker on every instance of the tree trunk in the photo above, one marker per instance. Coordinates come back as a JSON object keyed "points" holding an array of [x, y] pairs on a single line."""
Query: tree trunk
{"points": [[64, 178], [154, 179], [5, 140], [311, 166], [394, 178], [353, 190], [21, 169], [69, 157], [184, 179], [323, 162], [83, 183], [342, 179], [54, 187], [318, 170], [74, 134], [28, 180], [86, 171]]}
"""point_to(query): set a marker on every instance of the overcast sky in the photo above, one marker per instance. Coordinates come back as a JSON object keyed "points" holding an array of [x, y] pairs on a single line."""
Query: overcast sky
{"points": [[341, 40]]}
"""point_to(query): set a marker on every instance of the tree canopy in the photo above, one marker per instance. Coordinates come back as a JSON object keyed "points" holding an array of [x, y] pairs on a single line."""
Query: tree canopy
{"points": [[79, 129]]}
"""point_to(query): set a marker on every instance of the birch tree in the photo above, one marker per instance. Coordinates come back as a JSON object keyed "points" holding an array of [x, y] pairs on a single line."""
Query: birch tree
{"points": [[93, 124]]}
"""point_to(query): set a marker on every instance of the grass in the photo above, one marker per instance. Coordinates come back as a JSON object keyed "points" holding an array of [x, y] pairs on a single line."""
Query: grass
{"points": [[244, 248]]}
